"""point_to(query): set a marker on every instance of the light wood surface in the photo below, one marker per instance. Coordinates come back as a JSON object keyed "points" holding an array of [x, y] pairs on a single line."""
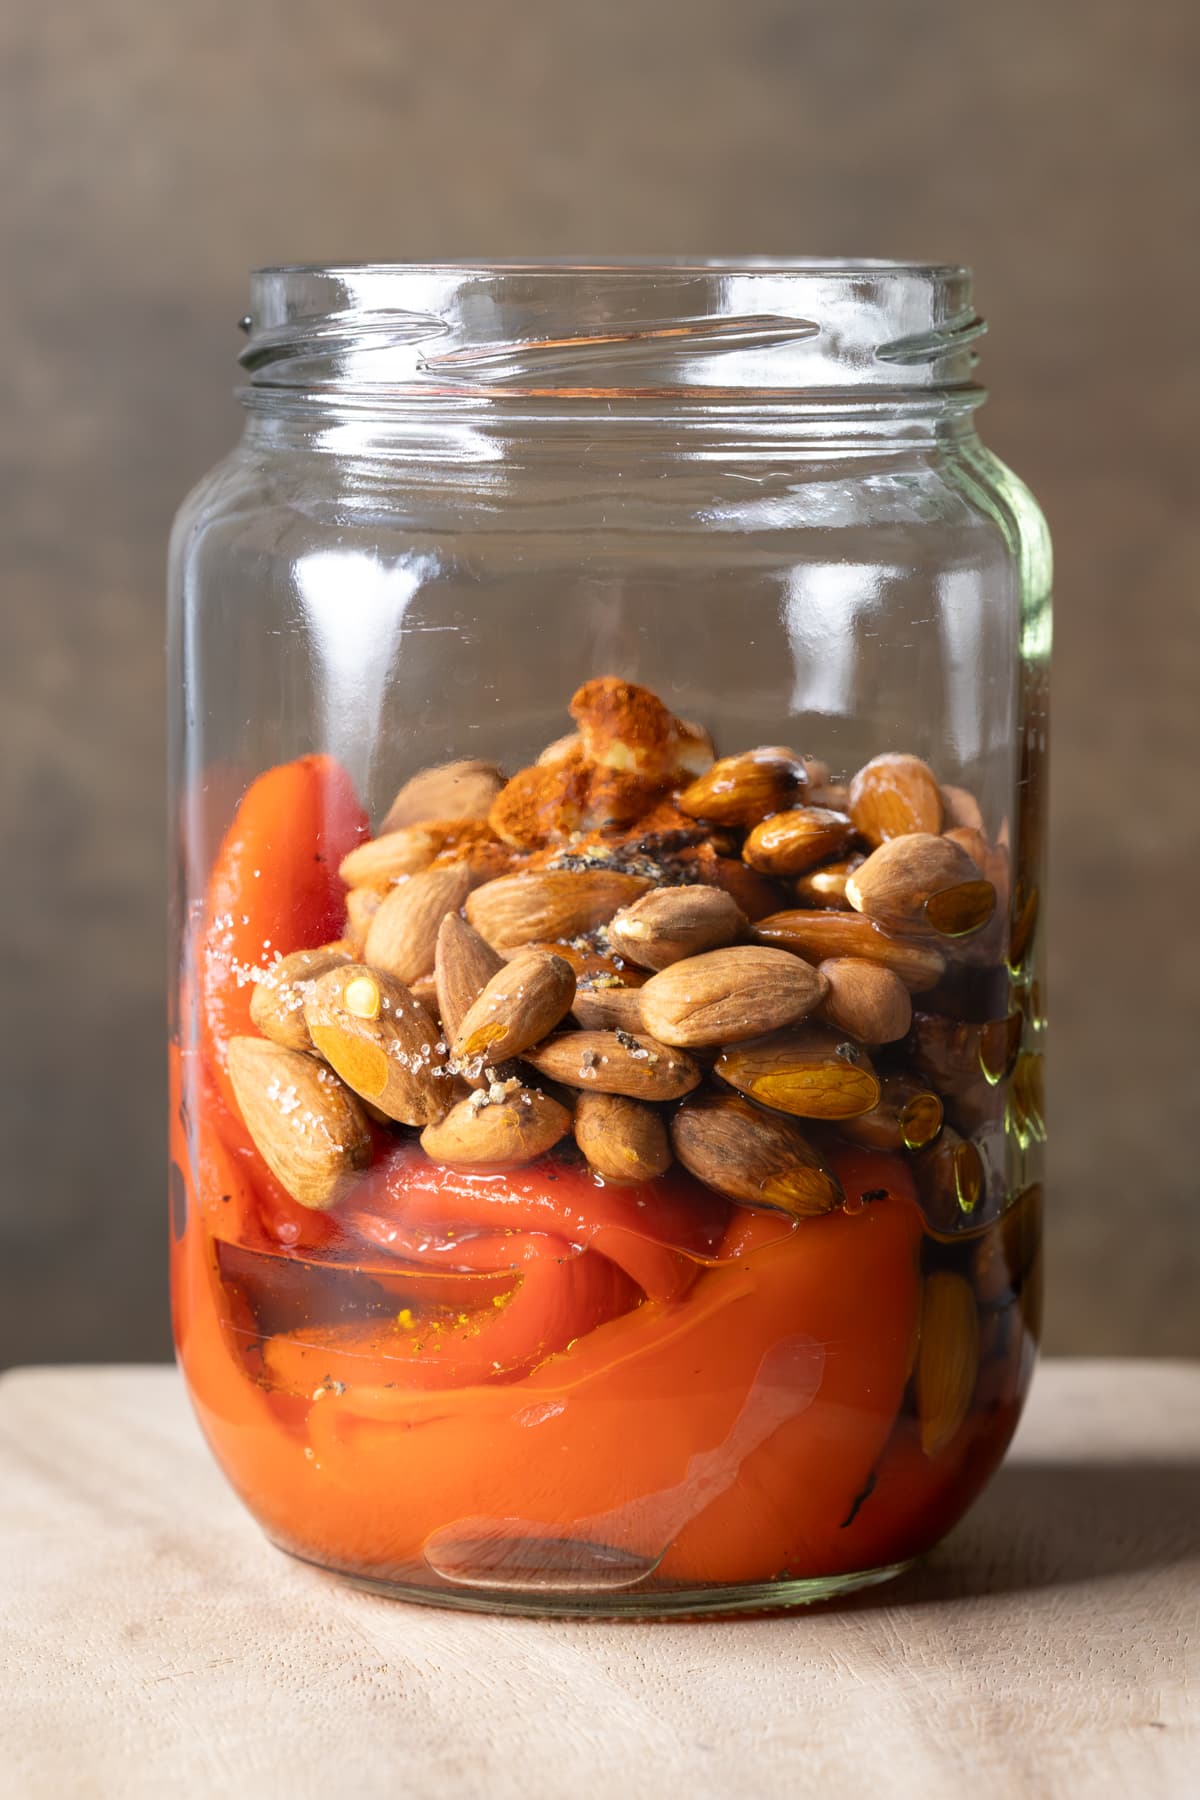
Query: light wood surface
{"points": [[152, 1643]]}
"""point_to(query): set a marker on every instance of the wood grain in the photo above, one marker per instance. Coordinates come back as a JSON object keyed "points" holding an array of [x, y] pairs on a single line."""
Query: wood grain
{"points": [[154, 1643], [156, 152]]}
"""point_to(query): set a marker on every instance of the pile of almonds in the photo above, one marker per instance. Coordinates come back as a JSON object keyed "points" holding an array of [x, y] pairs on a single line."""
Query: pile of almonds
{"points": [[658, 955]]}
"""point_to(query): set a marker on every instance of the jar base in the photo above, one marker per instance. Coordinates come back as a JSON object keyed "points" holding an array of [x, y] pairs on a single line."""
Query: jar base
{"points": [[663, 1603]]}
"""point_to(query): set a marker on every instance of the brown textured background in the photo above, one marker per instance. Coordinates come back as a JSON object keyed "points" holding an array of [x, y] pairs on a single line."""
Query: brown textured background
{"points": [[152, 153]]}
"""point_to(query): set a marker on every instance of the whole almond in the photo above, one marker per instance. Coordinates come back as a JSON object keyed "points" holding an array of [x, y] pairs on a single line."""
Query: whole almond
{"points": [[463, 964], [542, 904], [908, 1116], [383, 860], [807, 1070], [671, 923], [306, 1125], [755, 1158], [623, 1140], [740, 790], [727, 995], [277, 1003], [614, 1008], [616, 1062], [381, 1041], [788, 843], [453, 790], [818, 935], [960, 807], [947, 1358], [865, 1000], [826, 886], [949, 1053], [893, 795], [402, 937], [361, 906], [951, 1181], [918, 881], [500, 1127], [521, 1003]]}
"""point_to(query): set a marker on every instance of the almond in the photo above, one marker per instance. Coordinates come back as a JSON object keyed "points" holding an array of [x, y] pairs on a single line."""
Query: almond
{"points": [[701, 864], [549, 903], [950, 1182], [908, 1116], [1022, 925], [623, 1140], [453, 790], [361, 906], [947, 1358], [727, 995], [752, 1157], [1026, 1110], [865, 1000], [308, 1128], [463, 964], [616, 1062], [590, 966], [960, 808], [381, 1041], [402, 936], [788, 843], [919, 881], [613, 1008], [669, 924], [383, 860], [808, 1071], [521, 1003], [893, 795], [826, 887], [948, 1053], [741, 790], [500, 1127], [277, 1003], [1007, 1251], [818, 935], [560, 749]]}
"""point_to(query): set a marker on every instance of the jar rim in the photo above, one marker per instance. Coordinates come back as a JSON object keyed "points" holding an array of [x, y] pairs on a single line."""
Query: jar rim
{"points": [[615, 331]]}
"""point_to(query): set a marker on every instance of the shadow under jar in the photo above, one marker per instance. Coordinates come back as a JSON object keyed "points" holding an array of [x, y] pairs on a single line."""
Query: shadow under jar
{"points": [[607, 761]]}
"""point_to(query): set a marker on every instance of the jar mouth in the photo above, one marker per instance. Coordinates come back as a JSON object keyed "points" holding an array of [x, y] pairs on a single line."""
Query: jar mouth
{"points": [[613, 330]]}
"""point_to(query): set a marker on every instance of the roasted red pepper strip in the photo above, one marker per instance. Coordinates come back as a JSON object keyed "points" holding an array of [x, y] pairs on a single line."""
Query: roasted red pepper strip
{"points": [[656, 1232], [274, 888]]}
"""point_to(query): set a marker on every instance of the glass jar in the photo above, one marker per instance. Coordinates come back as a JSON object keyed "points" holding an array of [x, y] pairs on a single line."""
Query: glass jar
{"points": [[607, 1179]]}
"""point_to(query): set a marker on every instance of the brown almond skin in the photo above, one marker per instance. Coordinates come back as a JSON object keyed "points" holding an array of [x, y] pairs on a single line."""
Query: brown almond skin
{"points": [[306, 1124], [918, 881], [549, 903], [825, 887], [951, 1184], [908, 1117], [361, 906], [402, 937], [818, 935], [788, 843], [947, 1358], [463, 964], [396, 1060], [386, 858], [948, 1053], [608, 1008], [671, 923], [611, 1062], [277, 1003], [808, 1071], [741, 790], [960, 808], [501, 1135], [725, 996], [755, 1158], [865, 1000], [623, 1140], [893, 795], [520, 1005], [453, 790]]}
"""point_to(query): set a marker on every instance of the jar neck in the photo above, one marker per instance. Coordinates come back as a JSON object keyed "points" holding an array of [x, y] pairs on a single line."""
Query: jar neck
{"points": [[798, 349]]}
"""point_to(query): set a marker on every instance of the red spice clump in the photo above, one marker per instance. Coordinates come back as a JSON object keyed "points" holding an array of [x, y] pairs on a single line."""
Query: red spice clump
{"points": [[626, 727]]}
